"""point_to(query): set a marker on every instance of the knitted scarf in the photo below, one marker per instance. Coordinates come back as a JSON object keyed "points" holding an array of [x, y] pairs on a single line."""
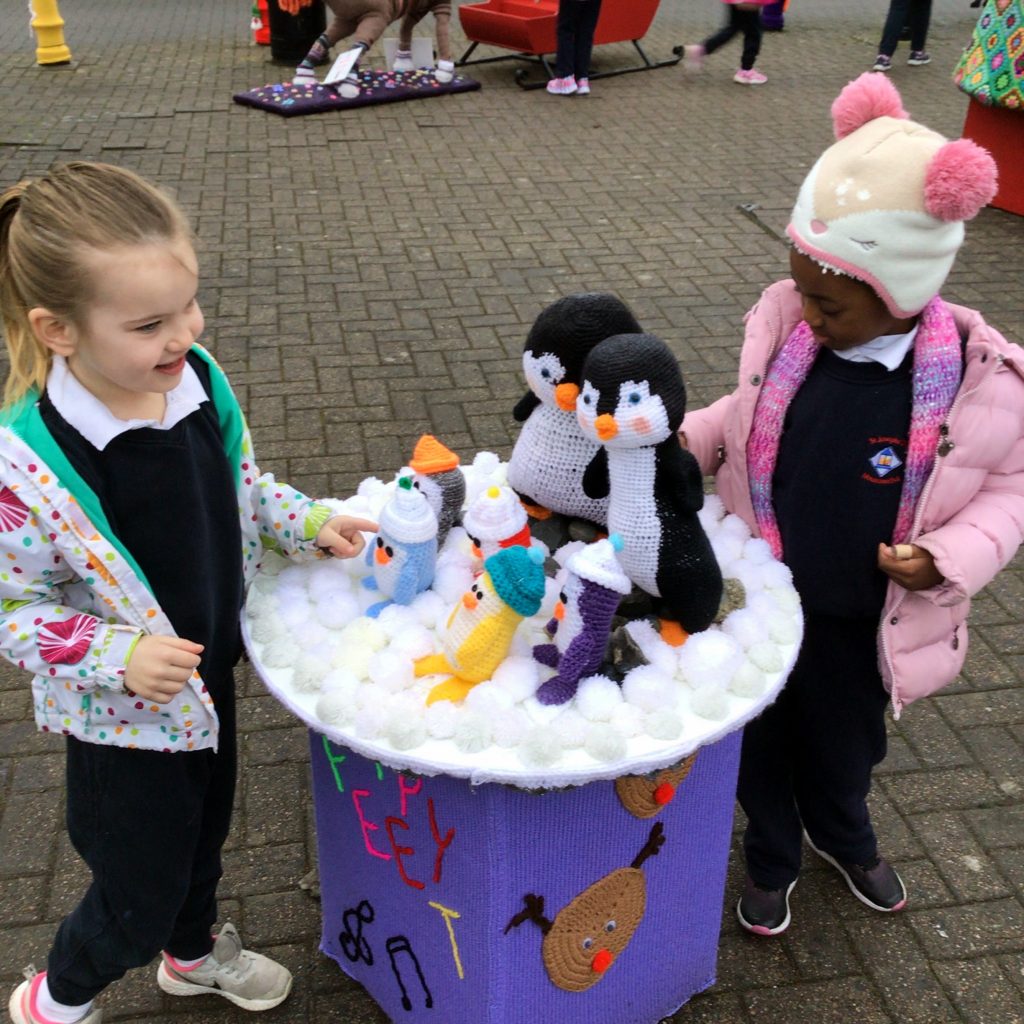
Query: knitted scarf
{"points": [[936, 377]]}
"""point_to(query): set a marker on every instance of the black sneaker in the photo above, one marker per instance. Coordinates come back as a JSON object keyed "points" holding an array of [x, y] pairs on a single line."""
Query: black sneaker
{"points": [[918, 58], [876, 885], [764, 911]]}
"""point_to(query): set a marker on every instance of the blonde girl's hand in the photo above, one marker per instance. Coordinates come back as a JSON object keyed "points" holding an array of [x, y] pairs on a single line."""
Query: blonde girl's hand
{"points": [[341, 536], [160, 666], [912, 567]]}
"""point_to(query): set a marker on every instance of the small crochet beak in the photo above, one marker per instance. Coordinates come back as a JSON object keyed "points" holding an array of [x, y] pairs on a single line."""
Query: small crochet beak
{"points": [[559, 611], [606, 426], [565, 397], [469, 601], [380, 556]]}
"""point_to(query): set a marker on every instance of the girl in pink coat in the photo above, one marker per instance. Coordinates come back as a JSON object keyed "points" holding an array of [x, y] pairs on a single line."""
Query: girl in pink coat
{"points": [[876, 441]]}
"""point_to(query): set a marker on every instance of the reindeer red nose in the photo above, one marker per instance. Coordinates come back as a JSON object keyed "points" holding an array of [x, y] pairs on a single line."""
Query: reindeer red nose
{"points": [[664, 793], [603, 959]]}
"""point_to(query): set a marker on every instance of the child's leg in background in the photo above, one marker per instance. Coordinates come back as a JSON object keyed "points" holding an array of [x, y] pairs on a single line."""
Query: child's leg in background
{"points": [[341, 25], [725, 33], [807, 759], [894, 23], [565, 34], [150, 826], [750, 24], [590, 11], [918, 17]]}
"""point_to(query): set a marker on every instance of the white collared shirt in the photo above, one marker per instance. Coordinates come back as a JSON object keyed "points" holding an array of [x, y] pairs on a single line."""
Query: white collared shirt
{"points": [[97, 424], [889, 350]]}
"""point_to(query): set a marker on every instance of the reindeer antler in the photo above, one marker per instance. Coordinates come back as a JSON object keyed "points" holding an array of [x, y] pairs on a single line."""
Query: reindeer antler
{"points": [[532, 911], [654, 843]]}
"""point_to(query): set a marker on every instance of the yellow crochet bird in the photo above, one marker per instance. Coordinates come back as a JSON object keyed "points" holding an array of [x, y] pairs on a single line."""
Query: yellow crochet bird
{"points": [[482, 624]]}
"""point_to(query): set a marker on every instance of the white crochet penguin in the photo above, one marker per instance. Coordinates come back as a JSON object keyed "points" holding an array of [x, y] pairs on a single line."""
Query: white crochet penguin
{"points": [[632, 403], [404, 554], [482, 624], [550, 454], [590, 595], [439, 477], [496, 519]]}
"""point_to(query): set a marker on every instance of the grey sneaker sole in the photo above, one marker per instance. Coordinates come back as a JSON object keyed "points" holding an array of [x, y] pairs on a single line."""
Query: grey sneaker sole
{"points": [[174, 987], [760, 929], [849, 882]]}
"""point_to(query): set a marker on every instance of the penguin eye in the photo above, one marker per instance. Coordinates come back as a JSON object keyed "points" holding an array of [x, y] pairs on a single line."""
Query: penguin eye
{"points": [[610, 926], [586, 398], [475, 541], [380, 543], [562, 597], [635, 398], [545, 373], [416, 484], [388, 550], [587, 943]]}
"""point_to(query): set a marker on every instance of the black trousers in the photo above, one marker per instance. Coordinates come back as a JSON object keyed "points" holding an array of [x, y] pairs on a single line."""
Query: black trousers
{"points": [[806, 761], [577, 20], [747, 22], [912, 14], [150, 827]]}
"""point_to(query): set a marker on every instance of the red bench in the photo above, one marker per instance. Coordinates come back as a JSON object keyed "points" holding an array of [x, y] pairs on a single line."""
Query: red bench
{"points": [[527, 27]]}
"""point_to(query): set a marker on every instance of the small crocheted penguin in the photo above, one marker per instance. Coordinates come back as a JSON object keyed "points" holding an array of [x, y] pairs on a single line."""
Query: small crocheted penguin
{"points": [[582, 619], [482, 624], [550, 455], [404, 555], [632, 402], [496, 520], [438, 476]]}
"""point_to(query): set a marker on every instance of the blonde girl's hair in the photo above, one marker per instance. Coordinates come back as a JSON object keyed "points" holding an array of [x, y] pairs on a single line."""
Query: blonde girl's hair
{"points": [[48, 225]]}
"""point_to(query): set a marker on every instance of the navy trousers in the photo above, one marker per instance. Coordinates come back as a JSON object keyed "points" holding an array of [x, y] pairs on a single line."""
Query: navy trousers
{"points": [[747, 22], [577, 20], [912, 14]]}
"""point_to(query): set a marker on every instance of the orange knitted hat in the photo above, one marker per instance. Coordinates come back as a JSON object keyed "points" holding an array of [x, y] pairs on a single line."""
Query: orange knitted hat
{"points": [[430, 456]]}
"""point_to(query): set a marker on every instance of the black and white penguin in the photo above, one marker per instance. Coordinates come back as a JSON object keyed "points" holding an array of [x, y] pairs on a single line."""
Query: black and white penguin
{"points": [[550, 455], [632, 402]]}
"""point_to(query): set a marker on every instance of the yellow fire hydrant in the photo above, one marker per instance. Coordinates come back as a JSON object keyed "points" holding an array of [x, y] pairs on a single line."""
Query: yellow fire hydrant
{"points": [[49, 27]]}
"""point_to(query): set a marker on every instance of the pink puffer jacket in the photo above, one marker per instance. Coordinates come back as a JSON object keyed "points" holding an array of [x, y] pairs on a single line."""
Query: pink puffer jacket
{"points": [[971, 512]]}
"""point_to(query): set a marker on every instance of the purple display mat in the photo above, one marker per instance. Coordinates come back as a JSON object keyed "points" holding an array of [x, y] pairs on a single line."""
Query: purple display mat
{"points": [[421, 876], [291, 100]]}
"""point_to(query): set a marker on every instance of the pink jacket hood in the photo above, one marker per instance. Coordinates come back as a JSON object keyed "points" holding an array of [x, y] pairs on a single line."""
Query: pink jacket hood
{"points": [[971, 512]]}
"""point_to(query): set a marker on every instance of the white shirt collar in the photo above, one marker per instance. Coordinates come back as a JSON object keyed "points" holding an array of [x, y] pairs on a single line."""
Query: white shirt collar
{"points": [[889, 350], [97, 424]]}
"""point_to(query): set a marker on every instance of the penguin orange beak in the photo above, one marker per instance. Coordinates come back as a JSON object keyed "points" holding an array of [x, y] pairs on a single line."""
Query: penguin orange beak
{"points": [[380, 556], [477, 553], [559, 612], [606, 427], [603, 959], [469, 601], [565, 397]]}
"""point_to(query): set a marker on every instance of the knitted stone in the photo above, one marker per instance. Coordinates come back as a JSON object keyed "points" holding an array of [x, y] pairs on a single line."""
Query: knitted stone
{"points": [[438, 476], [631, 403], [404, 554], [582, 618], [496, 520], [482, 625], [551, 454]]}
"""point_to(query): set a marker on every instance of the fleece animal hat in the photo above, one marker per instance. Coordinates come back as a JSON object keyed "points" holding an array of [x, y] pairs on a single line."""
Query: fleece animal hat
{"points": [[886, 203]]}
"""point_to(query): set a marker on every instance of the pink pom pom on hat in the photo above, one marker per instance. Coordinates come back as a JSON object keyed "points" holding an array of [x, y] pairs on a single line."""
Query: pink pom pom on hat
{"points": [[886, 202]]}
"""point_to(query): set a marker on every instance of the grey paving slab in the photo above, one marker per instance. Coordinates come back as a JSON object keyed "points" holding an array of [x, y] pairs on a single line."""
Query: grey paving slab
{"points": [[371, 275]]}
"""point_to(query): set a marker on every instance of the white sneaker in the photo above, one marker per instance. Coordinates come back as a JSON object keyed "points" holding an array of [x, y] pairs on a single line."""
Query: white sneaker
{"points": [[250, 980], [349, 86], [403, 61], [23, 1001], [582, 86], [304, 76], [445, 71], [751, 77], [693, 57], [562, 86]]}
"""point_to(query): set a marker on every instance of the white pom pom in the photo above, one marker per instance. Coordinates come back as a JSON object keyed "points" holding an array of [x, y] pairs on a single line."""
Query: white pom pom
{"points": [[336, 708], [552, 588], [518, 676], [451, 582], [766, 657], [294, 613], [735, 527], [396, 619], [710, 702], [745, 627], [293, 576], [709, 656], [440, 718], [416, 642], [750, 575], [778, 576], [749, 681], [663, 724], [370, 488], [327, 579], [280, 654], [603, 743], [521, 645], [338, 680], [430, 609], [648, 689], [485, 463], [628, 719], [597, 697], [652, 647], [353, 659], [786, 598], [369, 721], [472, 732], [712, 512], [757, 551], [782, 629], [566, 551], [489, 699], [404, 731], [309, 635], [273, 564], [267, 629], [728, 548], [510, 729], [571, 728], [309, 673], [365, 633], [540, 747], [367, 695], [390, 671], [336, 610]]}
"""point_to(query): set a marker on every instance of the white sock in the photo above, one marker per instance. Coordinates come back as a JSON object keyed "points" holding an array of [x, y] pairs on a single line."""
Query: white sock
{"points": [[59, 1013]]}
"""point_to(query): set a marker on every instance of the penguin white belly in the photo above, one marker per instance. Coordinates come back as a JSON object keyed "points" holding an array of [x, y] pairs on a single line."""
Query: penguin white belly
{"points": [[632, 514], [548, 462], [387, 576]]}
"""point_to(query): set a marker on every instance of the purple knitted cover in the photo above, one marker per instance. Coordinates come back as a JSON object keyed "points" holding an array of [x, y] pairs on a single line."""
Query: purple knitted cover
{"points": [[420, 878], [291, 100], [937, 373]]}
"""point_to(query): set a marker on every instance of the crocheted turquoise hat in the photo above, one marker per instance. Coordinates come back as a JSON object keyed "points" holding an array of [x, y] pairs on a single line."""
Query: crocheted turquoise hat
{"points": [[518, 577]]}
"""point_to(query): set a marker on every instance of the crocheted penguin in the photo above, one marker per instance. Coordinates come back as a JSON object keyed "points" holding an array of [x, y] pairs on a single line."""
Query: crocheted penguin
{"points": [[589, 597], [404, 555], [481, 627], [496, 520], [550, 455], [438, 476], [632, 402]]}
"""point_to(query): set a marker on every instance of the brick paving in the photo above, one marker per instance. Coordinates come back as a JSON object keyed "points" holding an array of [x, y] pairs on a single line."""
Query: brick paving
{"points": [[371, 275]]}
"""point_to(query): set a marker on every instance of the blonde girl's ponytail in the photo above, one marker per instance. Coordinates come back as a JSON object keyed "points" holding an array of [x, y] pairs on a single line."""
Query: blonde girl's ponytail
{"points": [[48, 227]]}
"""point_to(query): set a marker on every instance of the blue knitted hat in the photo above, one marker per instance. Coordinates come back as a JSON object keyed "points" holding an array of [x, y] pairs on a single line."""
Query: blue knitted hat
{"points": [[518, 577]]}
